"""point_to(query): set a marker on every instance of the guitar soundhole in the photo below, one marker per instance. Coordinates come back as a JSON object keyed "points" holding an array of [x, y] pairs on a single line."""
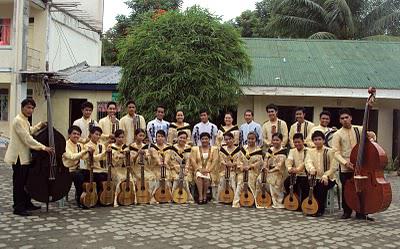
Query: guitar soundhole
{"points": [[108, 188], [290, 199], [226, 192], [162, 191], [180, 192], [127, 189], [91, 190], [246, 195], [142, 188], [309, 202], [263, 196]]}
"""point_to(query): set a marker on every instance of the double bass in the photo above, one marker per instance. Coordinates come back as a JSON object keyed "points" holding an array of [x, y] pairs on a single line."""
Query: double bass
{"points": [[48, 179], [368, 192]]}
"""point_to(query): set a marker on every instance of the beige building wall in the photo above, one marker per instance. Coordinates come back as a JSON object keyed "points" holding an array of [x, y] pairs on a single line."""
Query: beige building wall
{"points": [[384, 106]]}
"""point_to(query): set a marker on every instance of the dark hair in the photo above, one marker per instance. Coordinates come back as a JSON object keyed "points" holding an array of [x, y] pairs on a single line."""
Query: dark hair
{"points": [[86, 104], [300, 108], [318, 134], [118, 133], [271, 106], [298, 136], [205, 134], [252, 133], [160, 106], [139, 130], [228, 113], [327, 113], [74, 128], [344, 111], [279, 135], [248, 110], [94, 129], [28, 101], [111, 103], [179, 110], [130, 102], [204, 111], [181, 133], [161, 132], [229, 134]]}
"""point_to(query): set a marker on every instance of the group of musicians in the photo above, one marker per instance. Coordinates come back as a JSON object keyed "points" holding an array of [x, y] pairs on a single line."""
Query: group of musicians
{"points": [[200, 157]]}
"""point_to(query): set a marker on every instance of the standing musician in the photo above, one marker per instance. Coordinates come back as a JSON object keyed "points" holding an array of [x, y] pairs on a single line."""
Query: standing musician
{"points": [[173, 159], [250, 126], [320, 162], [118, 170], [72, 159], [324, 120], [274, 163], [19, 156], [99, 153], [251, 160], [178, 126], [85, 122], [131, 121], [300, 126], [230, 156], [343, 142], [204, 126], [229, 127], [274, 125], [295, 164], [157, 124], [204, 159], [109, 124]]}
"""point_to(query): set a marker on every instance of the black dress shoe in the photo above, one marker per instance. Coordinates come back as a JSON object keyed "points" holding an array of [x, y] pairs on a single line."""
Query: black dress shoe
{"points": [[21, 213], [346, 216], [364, 217], [33, 207]]}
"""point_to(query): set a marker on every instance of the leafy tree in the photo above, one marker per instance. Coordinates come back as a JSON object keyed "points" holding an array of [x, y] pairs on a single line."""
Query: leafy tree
{"points": [[186, 60]]}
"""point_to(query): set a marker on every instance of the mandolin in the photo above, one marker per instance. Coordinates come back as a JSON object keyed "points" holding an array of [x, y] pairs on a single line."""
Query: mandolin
{"points": [[107, 194], [163, 192], [227, 194], [263, 198], [180, 195], [89, 195], [246, 197], [142, 188], [310, 204], [291, 201], [126, 196]]}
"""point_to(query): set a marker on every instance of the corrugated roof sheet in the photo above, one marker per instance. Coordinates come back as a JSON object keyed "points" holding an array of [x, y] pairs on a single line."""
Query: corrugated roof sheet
{"points": [[323, 63], [98, 75]]}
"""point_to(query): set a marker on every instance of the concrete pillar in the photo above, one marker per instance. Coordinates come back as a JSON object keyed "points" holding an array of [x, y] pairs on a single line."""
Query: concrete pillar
{"points": [[317, 110], [385, 130]]}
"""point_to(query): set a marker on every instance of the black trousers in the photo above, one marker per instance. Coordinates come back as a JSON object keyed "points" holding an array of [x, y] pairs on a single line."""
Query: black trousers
{"points": [[21, 198], [320, 193], [300, 188], [344, 177], [97, 177], [78, 178]]}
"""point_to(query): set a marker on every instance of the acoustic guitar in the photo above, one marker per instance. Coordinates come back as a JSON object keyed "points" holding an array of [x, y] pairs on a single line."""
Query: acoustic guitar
{"points": [[226, 195], [263, 198], [126, 196], [107, 194], [310, 204], [180, 195], [246, 196], [89, 195], [142, 188], [291, 201], [163, 192]]}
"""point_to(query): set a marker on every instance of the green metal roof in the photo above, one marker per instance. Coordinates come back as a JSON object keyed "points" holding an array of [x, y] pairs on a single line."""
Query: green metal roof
{"points": [[323, 63]]}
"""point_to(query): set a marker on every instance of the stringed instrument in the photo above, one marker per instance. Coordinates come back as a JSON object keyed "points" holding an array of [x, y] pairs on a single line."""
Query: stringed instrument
{"points": [[89, 195], [163, 192], [126, 196], [142, 188], [180, 195], [107, 194], [310, 204], [291, 201], [246, 196], [368, 192], [263, 198], [227, 194]]}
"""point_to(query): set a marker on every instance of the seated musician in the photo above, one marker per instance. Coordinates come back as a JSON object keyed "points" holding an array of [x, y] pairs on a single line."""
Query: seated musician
{"points": [[134, 147], [230, 156], [72, 156], [321, 163], [274, 163], [250, 160], [295, 165], [99, 155], [173, 159], [203, 159], [118, 170]]}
